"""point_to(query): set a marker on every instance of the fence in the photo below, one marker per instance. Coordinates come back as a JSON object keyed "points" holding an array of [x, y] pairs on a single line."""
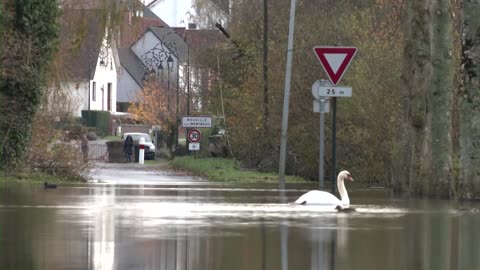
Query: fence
{"points": [[98, 152]]}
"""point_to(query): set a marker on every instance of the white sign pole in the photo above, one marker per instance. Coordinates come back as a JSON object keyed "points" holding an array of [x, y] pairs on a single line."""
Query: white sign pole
{"points": [[141, 152], [323, 108], [321, 172]]}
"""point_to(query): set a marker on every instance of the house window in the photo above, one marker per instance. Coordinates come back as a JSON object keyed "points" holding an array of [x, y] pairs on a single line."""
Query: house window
{"points": [[94, 91], [109, 96]]}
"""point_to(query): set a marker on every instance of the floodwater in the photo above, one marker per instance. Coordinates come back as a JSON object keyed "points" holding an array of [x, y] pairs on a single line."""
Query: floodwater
{"points": [[228, 227]]}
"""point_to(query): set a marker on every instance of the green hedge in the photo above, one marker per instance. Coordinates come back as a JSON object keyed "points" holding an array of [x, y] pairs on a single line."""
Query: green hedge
{"points": [[98, 119]]}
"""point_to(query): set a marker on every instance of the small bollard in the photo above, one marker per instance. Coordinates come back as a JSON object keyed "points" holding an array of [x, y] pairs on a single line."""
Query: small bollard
{"points": [[141, 152]]}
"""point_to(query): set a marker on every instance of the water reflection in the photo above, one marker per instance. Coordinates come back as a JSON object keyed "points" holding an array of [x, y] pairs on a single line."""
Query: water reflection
{"points": [[183, 228], [284, 245], [101, 232], [323, 246]]}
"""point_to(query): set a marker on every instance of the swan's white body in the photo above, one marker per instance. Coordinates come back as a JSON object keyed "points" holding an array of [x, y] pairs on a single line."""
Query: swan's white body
{"points": [[324, 198]]}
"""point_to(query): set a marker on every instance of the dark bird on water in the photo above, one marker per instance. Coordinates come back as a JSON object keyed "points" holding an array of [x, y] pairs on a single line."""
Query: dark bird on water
{"points": [[48, 186]]}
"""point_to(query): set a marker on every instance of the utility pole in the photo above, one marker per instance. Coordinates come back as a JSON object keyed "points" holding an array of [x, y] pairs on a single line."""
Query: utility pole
{"points": [[286, 97]]}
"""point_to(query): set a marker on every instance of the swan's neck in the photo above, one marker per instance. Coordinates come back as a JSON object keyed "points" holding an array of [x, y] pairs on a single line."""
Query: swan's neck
{"points": [[343, 192]]}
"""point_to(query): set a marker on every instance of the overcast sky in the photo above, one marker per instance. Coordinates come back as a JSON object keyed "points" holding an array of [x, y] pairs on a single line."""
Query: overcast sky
{"points": [[173, 12]]}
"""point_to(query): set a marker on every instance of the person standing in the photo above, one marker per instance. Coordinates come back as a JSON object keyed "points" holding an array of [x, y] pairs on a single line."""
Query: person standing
{"points": [[128, 148], [85, 147]]}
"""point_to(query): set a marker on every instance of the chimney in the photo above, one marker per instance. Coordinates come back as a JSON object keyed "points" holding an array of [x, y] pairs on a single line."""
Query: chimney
{"points": [[192, 26]]}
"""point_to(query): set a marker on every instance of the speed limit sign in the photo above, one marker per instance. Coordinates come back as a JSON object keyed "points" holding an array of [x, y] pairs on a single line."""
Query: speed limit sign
{"points": [[194, 135]]}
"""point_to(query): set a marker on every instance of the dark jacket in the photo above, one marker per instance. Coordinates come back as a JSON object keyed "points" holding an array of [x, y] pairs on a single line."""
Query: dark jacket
{"points": [[128, 145]]}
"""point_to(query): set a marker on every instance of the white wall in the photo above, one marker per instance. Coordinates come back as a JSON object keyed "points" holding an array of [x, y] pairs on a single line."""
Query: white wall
{"points": [[145, 43], [102, 78], [80, 96], [127, 87], [71, 97]]}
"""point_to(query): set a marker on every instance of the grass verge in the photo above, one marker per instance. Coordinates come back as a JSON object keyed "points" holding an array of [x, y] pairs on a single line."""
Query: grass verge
{"points": [[29, 177], [227, 170], [112, 138]]}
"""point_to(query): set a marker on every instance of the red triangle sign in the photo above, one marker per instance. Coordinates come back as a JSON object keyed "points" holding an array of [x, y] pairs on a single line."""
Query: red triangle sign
{"points": [[335, 60]]}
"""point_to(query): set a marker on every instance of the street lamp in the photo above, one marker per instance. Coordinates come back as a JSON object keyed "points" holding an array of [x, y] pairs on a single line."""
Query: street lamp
{"points": [[162, 56], [170, 62], [169, 68], [159, 68]]}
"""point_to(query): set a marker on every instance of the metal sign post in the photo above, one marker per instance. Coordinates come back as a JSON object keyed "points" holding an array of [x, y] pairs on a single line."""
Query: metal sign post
{"points": [[194, 136], [335, 61], [321, 105], [321, 173], [195, 121], [334, 143]]}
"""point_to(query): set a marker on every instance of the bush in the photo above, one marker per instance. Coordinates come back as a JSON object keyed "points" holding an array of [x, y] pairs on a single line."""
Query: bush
{"points": [[76, 131], [63, 160], [47, 154], [91, 136], [98, 119]]}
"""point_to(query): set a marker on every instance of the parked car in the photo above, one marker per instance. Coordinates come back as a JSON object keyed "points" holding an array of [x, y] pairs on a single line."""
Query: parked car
{"points": [[149, 143]]}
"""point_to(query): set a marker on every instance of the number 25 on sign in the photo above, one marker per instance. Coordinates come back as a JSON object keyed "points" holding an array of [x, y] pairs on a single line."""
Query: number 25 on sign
{"points": [[324, 91]]}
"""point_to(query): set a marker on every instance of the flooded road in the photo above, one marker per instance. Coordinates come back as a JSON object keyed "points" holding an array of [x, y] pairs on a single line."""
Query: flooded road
{"points": [[138, 174], [200, 226]]}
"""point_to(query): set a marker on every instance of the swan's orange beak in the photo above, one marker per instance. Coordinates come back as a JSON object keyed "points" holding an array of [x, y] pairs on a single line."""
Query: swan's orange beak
{"points": [[350, 178]]}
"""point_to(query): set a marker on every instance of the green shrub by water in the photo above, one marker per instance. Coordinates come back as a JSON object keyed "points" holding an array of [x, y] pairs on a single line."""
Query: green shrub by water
{"points": [[226, 170], [29, 176]]}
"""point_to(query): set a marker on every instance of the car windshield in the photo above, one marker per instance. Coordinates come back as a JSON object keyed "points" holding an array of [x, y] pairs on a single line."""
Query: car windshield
{"points": [[136, 137]]}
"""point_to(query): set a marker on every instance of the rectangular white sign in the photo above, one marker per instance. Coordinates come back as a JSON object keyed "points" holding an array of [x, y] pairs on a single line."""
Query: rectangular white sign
{"points": [[194, 146], [330, 91], [197, 121]]}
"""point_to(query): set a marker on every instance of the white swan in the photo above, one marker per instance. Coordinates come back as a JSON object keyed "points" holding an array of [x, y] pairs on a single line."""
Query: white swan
{"points": [[325, 198]]}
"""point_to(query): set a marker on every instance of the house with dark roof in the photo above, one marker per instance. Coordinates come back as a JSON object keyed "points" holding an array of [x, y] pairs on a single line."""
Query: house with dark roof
{"points": [[88, 61], [167, 53], [89, 58], [106, 71], [135, 22], [160, 51]]}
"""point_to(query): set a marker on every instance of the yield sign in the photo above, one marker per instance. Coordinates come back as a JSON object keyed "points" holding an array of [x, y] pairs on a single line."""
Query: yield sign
{"points": [[335, 60]]}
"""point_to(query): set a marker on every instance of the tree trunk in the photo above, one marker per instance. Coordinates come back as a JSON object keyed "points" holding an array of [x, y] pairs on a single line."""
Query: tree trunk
{"points": [[439, 104], [469, 99], [409, 170], [425, 148]]}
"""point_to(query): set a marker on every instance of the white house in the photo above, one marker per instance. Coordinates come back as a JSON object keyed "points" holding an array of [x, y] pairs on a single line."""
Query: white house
{"points": [[103, 84], [159, 50], [101, 76], [130, 78], [98, 76], [89, 66]]}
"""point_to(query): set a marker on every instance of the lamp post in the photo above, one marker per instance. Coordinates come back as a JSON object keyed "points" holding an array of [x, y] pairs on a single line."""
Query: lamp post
{"points": [[169, 68], [165, 52]]}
